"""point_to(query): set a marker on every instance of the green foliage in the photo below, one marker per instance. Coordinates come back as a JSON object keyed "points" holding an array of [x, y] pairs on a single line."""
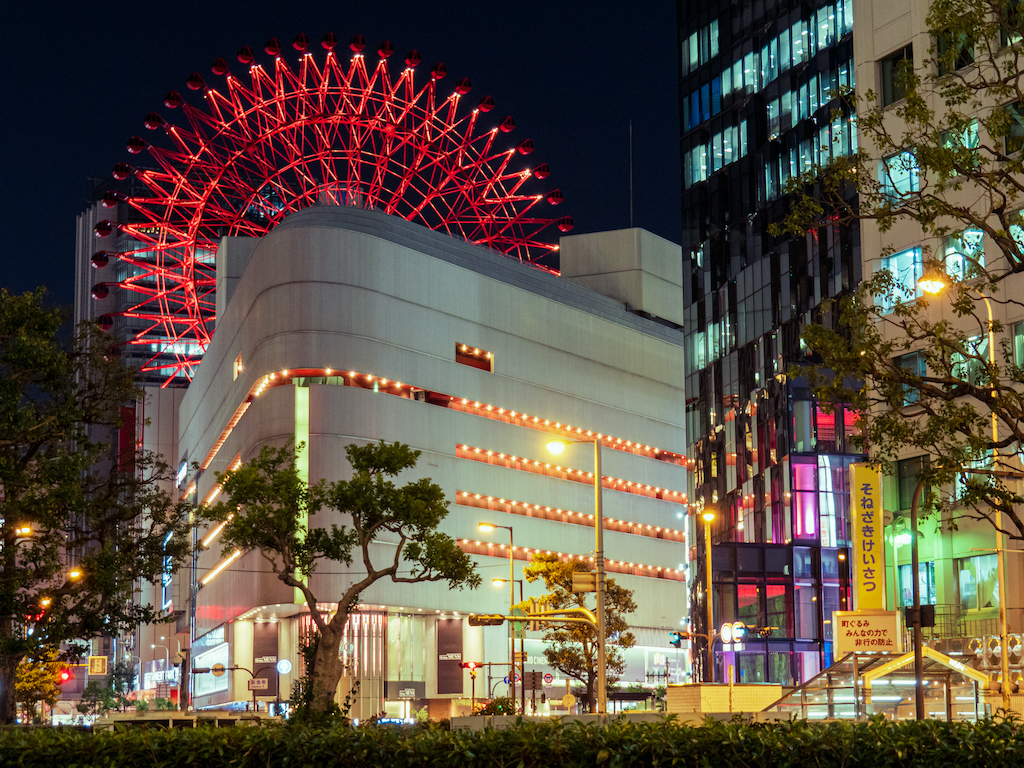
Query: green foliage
{"points": [[111, 693], [65, 490], [572, 648], [956, 122], [38, 680], [874, 744], [945, 409], [296, 527], [502, 705], [959, 123]]}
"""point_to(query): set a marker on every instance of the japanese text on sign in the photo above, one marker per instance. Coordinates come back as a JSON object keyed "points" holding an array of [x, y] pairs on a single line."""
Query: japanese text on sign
{"points": [[867, 632], [868, 552]]}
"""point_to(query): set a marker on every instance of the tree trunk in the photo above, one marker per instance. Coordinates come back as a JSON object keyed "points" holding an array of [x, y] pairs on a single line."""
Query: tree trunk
{"points": [[591, 697], [8, 671], [326, 669]]}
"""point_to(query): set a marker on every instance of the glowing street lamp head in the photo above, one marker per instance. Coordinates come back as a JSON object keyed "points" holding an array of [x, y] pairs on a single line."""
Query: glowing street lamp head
{"points": [[708, 516], [486, 527], [933, 285], [74, 574], [499, 582], [556, 446]]}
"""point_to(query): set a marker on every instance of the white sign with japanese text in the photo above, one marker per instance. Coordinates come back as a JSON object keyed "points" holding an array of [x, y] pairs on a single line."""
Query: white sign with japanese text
{"points": [[866, 632]]}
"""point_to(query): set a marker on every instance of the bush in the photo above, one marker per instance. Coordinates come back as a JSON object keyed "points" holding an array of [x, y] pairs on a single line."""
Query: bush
{"points": [[531, 745]]}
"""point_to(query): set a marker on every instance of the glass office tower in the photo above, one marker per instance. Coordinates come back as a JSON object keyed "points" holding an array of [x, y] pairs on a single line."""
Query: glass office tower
{"points": [[756, 92]]}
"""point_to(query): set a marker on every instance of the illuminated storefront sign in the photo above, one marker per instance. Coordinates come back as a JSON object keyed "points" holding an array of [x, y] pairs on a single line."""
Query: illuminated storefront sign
{"points": [[868, 550]]}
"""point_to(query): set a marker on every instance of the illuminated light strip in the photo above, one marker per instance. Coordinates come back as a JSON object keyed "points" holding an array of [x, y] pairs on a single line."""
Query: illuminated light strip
{"points": [[216, 531], [284, 378], [565, 430], [239, 412], [479, 501], [615, 566], [221, 566], [523, 464]]}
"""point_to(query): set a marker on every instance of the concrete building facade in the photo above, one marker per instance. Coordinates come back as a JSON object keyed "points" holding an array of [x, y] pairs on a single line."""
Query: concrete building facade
{"points": [[349, 326]]}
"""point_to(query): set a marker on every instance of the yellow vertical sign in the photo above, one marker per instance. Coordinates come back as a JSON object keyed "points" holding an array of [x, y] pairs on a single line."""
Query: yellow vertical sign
{"points": [[868, 564]]}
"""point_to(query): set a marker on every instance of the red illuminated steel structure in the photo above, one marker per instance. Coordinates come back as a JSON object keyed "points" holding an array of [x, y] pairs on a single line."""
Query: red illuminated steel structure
{"points": [[272, 139]]}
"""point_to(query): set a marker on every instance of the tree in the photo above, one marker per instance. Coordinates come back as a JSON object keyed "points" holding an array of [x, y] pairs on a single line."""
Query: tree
{"points": [[38, 680], [269, 509], [80, 526], [572, 648], [101, 696], [942, 160]]}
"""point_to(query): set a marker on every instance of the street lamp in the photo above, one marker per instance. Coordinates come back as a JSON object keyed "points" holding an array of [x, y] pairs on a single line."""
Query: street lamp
{"points": [[916, 591], [557, 447], [709, 517], [487, 528], [166, 659], [935, 284], [522, 644]]}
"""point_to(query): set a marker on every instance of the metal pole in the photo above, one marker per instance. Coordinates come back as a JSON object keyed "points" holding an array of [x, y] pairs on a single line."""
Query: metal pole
{"points": [[511, 630], [602, 688], [918, 656], [710, 675], [522, 652], [1004, 651]]}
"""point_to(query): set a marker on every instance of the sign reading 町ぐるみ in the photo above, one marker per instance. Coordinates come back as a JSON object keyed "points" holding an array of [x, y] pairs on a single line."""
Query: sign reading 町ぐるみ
{"points": [[868, 549], [866, 632]]}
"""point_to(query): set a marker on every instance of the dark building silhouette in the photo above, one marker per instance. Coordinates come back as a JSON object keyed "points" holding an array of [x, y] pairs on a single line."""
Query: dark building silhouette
{"points": [[756, 88]]}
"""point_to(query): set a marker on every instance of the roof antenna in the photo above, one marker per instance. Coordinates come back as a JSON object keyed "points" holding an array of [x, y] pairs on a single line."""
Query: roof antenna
{"points": [[631, 173]]}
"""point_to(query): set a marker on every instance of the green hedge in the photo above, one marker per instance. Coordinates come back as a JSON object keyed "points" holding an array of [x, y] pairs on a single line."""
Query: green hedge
{"points": [[877, 744]]}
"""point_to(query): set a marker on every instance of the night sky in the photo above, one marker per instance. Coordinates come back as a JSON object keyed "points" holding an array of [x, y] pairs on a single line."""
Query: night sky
{"points": [[81, 76]]}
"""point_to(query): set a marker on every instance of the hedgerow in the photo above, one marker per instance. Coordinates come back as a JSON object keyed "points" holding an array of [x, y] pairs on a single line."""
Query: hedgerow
{"points": [[873, 744]]}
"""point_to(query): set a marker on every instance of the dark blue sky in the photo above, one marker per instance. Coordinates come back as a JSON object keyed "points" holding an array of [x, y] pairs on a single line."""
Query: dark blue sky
{"points": [[573, 74]]}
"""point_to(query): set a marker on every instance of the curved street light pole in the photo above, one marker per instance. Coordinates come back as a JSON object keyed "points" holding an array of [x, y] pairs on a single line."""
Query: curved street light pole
{"points": [[935, 285], [556, 446]]}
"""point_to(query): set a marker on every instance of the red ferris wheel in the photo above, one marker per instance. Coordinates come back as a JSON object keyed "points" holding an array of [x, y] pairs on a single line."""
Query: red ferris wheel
{"points": [[277, 138]]}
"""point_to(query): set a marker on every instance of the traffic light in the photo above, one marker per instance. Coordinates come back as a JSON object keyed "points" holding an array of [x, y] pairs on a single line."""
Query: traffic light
{"points": [[472, 666], [65, 675], [486, 620], [675, 639], [766, 631]]}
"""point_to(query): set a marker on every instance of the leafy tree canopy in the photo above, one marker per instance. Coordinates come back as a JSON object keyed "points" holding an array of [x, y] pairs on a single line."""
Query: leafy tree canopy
{"points": [[269, 509], [572, 648], [80, 526], [940, 166]]}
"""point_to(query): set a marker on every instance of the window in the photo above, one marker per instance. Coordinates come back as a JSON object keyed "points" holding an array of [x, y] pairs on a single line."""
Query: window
{"points": [[954, 51], [1013, 23], [895, 70], [963, 145], [907, 269], [1018, 344], [238, 365], [965, 254], [474, 358], [1017, 231], [700, 47], [907, 473], [978, 582], [914, 364], [900, 176], [1015, 133], [970, 366], [925, 584]]}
